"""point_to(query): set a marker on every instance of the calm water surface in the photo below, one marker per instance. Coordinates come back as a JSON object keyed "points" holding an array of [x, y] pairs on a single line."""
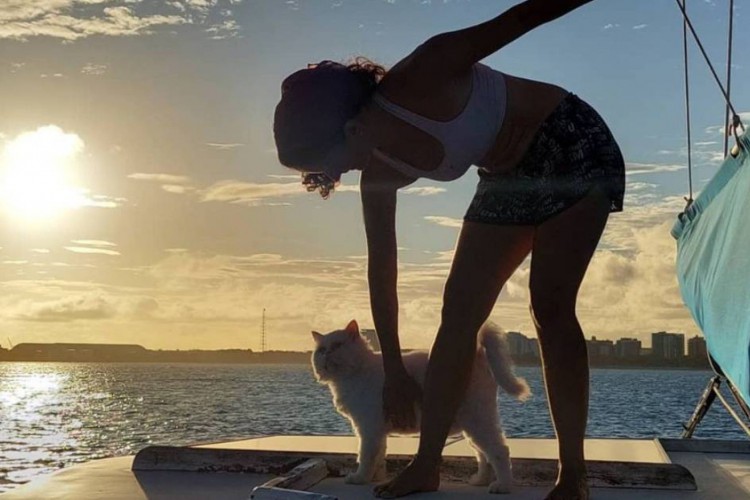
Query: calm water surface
{"points": [[56, 414]]}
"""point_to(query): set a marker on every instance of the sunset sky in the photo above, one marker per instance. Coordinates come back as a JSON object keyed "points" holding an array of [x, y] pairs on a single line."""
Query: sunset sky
{"points": [[141, 200]]}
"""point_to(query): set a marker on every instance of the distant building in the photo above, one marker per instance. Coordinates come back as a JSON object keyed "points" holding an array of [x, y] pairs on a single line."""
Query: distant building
{"points": [[522, 346], [600, 348], [372, 337], [697, 348], [666, 345], [628, 348]]}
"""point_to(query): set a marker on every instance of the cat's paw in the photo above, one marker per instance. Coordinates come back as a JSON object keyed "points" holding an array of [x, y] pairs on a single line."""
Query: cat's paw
{"points": [[356, 478], [480, 479], [499, 487]]}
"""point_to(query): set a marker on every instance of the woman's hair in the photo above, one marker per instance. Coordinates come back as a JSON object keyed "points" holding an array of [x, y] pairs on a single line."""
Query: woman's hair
{"points": [[370, 72], [315, 105]]}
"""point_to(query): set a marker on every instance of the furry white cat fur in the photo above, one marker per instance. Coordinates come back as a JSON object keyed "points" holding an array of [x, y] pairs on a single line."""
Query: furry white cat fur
{"points": [[345, 362]]}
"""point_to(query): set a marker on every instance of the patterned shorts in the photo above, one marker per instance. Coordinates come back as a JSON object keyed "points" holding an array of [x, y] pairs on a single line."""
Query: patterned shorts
{"points": [[572, 152]]}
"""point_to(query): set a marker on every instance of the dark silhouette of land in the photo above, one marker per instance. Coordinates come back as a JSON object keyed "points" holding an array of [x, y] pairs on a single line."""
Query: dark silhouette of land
{"points": [[132, 353]]}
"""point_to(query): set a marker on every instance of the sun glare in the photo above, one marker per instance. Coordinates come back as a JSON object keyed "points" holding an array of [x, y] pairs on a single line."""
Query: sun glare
{"points": [[36, 174]]}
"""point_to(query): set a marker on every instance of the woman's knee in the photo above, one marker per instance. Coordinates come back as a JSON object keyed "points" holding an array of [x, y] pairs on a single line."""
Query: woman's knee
{"points": [[552, 312]]}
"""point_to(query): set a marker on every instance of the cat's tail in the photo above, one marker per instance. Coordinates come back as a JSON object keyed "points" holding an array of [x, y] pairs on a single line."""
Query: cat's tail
{"points": [[496, 349]]}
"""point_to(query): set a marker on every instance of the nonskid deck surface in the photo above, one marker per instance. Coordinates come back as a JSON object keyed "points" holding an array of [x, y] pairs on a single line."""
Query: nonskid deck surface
{"points": [[721, 470]]}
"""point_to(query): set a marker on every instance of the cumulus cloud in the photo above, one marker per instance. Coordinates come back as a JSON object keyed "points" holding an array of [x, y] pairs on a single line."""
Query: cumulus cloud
{"points": [[72, 20], [631, 278], [62, 19], [93, 305], [65, 309]]}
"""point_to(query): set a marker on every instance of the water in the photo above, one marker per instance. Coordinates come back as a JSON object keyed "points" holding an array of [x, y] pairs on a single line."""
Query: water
{"points": [[56, 414]]}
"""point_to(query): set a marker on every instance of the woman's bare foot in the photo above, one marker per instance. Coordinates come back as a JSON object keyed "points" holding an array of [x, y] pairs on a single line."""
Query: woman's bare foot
{"points": [[415, 478], [570, 486]]}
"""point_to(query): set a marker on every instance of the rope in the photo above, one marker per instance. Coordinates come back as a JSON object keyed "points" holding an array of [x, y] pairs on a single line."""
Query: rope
{"points": [[729, 74], [708, 61], [689, 200]]}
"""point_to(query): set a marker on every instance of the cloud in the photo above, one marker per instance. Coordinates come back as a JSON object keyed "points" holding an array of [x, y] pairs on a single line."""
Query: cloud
{"points": [[248, 193], [95, 243], [423, 191], [176, 188], [722, 130], [94, 69], [168, 178], [639, 26], [72, 20], [224, 146], [223, 30], [54, 21], [65, 309], [94, 305], [203, 299], [444, 221], [102, 201], [102, 251], [651, 168]]}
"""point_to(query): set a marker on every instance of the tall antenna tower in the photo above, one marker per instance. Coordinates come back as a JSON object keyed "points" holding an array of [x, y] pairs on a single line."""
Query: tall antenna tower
{"points": [[263, 332]]}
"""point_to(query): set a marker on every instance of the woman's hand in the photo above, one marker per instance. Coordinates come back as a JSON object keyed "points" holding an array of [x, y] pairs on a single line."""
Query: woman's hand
{"points": [[401, 397]]}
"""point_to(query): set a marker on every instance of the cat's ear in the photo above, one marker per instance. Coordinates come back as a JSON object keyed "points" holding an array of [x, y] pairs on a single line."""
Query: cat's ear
{"points": [[317, 336], [352, 329]]}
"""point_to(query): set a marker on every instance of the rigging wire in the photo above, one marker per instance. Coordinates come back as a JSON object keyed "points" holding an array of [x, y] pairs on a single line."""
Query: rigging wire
{"points": [[708, 61], [729, 73], [689, 199]]}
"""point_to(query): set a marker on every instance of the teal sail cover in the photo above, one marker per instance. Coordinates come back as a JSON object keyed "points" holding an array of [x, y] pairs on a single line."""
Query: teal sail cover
{"points": [[713, 266]]}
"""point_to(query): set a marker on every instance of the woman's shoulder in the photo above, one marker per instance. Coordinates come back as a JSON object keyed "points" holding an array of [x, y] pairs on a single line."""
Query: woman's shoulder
{"points": [[415, 77]]}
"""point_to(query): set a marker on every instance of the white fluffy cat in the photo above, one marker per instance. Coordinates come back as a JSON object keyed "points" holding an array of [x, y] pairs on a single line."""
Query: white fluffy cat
{"points": [[345, 362]]}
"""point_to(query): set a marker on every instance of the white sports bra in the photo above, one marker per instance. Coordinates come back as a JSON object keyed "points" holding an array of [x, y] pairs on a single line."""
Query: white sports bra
{"points": [[467, 138]]}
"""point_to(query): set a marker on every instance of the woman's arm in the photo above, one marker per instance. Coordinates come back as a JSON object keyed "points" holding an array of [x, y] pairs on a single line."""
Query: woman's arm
{"points": [[378, 188], [455, 52]]}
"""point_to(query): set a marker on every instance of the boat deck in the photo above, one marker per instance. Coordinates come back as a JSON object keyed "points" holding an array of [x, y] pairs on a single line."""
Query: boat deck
{"points": [[721, 470]]}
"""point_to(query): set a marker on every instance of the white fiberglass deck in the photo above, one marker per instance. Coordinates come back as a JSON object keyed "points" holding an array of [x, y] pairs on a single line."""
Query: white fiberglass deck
{"points": [[721, 470]]}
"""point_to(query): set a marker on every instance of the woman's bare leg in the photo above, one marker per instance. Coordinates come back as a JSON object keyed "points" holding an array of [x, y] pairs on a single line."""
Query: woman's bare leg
{"points": [[485, 257], [563, 247]]}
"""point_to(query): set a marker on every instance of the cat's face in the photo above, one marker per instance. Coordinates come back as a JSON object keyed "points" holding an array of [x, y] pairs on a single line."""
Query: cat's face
{"points": [[338, 353]]}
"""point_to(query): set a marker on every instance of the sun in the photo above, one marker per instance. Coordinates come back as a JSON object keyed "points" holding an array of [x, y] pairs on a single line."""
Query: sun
{"points": [[37, 174]]}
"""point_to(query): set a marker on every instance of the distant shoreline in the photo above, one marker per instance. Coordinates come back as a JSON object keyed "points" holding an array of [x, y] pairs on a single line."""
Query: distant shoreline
{"points": [[133, 353], [306, 361]]}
